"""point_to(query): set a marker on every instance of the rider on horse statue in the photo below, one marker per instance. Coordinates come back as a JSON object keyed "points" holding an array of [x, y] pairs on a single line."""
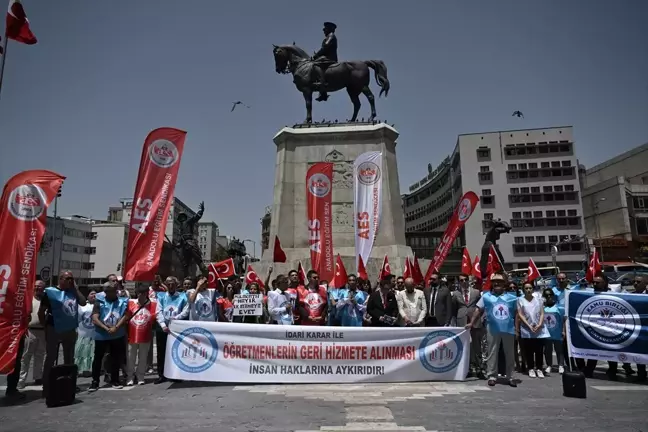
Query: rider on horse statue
{"points": [[326, 56]]}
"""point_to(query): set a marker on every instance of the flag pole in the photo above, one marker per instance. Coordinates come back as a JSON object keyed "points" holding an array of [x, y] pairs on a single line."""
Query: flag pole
{"points": [[4, 59]]}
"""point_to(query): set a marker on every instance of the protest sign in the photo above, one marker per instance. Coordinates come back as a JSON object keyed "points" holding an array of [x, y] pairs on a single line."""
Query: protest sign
{"points": [[248, 305]]}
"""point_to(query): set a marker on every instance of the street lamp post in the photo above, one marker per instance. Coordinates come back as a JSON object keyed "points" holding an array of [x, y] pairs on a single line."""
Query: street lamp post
{"points": [[596, 223], [253, 247]]}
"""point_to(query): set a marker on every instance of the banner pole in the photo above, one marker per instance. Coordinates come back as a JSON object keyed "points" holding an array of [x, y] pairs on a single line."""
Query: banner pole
{"points": [[4, 59]]}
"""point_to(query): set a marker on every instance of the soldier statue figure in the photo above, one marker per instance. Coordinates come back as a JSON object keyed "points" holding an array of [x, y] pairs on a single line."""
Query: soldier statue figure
{"points": [[187, 246], [326, 56], [499, 227]]}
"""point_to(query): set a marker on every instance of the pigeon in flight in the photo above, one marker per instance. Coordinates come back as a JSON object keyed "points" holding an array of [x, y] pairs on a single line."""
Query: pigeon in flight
{"points": [[238, 103], [518, 114]]}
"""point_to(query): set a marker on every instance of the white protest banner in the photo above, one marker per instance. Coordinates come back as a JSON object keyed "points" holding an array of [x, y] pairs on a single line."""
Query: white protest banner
{"points": [[248, 304], [367, 202], [258, 353]]}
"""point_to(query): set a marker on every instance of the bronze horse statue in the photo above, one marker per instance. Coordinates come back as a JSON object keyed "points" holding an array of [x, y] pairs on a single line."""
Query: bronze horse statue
{"points": [[352, 75], [499, 227]]}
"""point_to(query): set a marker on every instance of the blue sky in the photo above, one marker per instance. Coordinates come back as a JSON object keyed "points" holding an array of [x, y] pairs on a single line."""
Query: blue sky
{"points": [[105, 73]]}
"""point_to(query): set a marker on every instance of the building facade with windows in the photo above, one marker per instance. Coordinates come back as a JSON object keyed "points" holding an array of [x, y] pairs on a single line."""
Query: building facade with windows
{"points": [[208, 239], [615, 203], [528, 178], [265, 229]]}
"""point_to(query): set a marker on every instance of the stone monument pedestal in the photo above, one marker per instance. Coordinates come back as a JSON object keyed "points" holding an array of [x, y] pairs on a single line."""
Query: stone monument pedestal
{"points": [[300, 147]]}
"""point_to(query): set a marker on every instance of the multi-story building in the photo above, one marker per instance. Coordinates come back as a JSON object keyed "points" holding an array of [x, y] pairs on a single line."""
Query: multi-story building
{"points": [[108, 248], [207, 239], [265, 229], [615, 204], [528, 178], [169, 260]]}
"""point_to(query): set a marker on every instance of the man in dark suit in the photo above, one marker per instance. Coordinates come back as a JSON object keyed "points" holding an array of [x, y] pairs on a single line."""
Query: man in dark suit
{"points": [[464, 302], [439, 302], [382, 306]]}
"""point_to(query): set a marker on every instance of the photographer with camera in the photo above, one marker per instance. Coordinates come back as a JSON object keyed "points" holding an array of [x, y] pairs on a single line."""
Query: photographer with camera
{"points": [[382, 305]]}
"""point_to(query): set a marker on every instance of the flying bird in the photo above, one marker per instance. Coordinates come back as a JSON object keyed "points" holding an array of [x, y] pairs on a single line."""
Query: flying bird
{"points": [[518, 114], [238, 103]]}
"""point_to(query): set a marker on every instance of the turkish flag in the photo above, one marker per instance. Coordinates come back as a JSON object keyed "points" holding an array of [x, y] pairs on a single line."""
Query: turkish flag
{"points": [[362, 271], [301, 273], [251, 276], [417, 274], [220, 270], [340, 278], [593, 267], [18, 24], [476, 270], [407, 273], [386, 268], [278, 256], [466, 264], [533, 272]]}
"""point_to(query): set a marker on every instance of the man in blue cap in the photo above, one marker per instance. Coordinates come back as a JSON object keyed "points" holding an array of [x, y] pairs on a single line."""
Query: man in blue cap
{"points": [[326, 56]]}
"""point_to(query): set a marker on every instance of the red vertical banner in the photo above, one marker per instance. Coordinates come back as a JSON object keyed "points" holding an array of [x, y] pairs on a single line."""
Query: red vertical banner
{"points": [[156, 181], [319, 181], [23, 218]]}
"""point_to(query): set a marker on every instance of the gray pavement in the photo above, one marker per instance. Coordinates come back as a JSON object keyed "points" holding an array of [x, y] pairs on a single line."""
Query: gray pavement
{"points": [[536, 405]]}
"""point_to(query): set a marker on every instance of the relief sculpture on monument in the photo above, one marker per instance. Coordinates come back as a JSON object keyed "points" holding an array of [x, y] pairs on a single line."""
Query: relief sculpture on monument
{"points": [[342, 217]]}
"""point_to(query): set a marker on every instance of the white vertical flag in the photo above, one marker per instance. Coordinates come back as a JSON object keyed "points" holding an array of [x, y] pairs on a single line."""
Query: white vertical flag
{"points": [[367, 201]]}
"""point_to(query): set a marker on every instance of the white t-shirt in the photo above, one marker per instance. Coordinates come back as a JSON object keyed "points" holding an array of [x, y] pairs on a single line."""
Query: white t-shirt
{"points": [[86, 327], [532, 311], [277, 302], [204, 308]]}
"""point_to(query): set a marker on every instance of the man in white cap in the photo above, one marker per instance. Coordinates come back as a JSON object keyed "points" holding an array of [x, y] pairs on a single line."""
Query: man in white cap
{"points": [[501, 308]]}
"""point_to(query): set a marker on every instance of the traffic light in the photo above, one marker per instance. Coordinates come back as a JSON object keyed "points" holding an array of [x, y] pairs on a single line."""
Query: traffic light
{"points": [[60, 191]]}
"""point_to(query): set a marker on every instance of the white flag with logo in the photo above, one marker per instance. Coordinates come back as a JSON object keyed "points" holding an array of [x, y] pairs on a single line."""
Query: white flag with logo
{"points": [[367, 202]]}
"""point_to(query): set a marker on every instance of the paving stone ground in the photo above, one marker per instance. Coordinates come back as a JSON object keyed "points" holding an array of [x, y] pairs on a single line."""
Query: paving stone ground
{"points": [[536, 405]]}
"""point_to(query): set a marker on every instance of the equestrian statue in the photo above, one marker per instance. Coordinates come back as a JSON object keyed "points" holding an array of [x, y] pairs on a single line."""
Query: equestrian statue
{"points": [[323, 73], [499, 227]]}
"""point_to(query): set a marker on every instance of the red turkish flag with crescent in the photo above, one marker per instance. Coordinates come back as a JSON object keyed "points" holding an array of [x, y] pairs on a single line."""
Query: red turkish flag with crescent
{"points": [[23, 218], [278, 254], [156, 181], [319, 192], [476, 269], [251, 276], [593, 267], [340, 278], [533, 272], [466, 264], [17, 24], [362, 271], [386, 268], [220, 270], [417, 274], [407, 272]]}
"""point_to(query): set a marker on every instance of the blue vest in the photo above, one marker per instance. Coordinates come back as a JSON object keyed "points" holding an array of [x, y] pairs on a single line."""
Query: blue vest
{"points": [[110, 313], [333, 294], [553, 318], [171, 305], [350, 315], [64, 309], [500, 312], [204, 308]]}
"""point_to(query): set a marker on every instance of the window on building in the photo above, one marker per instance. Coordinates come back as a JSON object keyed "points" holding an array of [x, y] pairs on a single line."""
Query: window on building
{"points": [[522, 166], [572, 212], [484, 168], [569, 188], [483, 153], [533, 165], [547, 189], [537, 214], [535, 189], [642, 226], [512, 167], [561, 213], [555, 164], [515, 191], [540, 239], [551, 213], [544, 164], [488, 216], [553, 239], [558, 188], [486, 192], [566, 163], [518, 240], [639, 202], [526, 215], [524, 190], [485, 176], [512, 175], [517, 215], [529, 239]]}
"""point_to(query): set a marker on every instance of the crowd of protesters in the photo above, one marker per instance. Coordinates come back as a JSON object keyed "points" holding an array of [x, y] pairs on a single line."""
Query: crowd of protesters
{"points": [[112, 332]]}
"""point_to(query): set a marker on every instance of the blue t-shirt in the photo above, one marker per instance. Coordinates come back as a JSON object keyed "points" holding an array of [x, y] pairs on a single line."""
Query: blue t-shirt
{"points": [[110, 313], [500, 312], [63, 308]]}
